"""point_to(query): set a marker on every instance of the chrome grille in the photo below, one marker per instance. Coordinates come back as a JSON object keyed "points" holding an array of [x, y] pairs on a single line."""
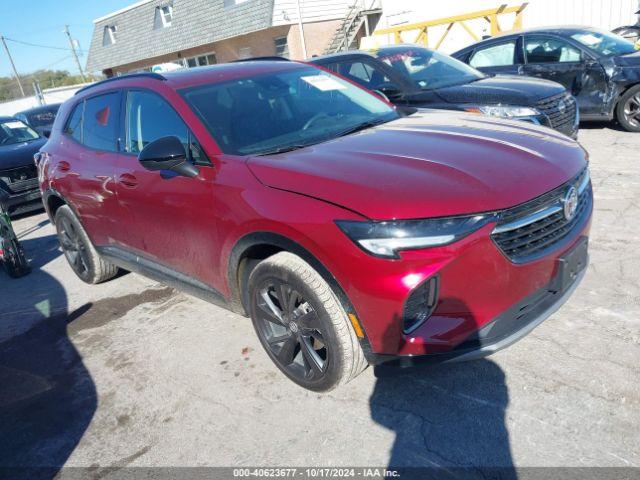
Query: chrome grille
{"points": [[529, 231], [20, 179], [562, 120]]}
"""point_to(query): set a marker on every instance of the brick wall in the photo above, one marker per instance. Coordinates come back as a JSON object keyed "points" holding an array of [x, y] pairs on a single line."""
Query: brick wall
{"points": [[261, 43]]}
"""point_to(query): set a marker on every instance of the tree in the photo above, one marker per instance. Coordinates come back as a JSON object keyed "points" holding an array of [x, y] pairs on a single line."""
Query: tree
{"points": [[47, 78]]}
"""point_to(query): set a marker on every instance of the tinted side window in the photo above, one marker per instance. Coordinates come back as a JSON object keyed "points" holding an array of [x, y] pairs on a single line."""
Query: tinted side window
{"points": [[100, 124], [149, 118], [74, 123], [495, 56], [550, 50], [363, 74]]}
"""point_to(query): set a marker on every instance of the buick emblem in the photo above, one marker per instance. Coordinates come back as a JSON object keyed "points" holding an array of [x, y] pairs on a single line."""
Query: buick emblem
{"points": [[570, 204], [562, 107]]}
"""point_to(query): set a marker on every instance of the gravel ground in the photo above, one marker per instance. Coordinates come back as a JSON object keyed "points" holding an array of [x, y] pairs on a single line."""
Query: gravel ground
{"points": [[131, 373]]}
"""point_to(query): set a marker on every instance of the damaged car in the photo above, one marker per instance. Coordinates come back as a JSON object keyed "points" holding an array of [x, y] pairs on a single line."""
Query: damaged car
{"points": [[411, 76], [601, 69]]}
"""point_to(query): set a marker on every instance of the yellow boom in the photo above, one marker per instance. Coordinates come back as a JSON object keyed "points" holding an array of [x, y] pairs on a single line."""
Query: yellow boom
{"points": [[490, 16]]}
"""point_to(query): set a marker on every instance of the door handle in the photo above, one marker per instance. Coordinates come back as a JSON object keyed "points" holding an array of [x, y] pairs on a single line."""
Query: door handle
{"points": [[128, 180], [64, 166]]}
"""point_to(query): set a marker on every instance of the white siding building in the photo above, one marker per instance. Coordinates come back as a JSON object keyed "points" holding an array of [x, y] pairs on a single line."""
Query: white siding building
{"points": [[606, 14]]}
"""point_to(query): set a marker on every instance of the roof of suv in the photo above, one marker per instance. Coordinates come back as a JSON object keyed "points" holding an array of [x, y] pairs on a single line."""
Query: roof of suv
{"points": [[554, 30], [201, 75]]}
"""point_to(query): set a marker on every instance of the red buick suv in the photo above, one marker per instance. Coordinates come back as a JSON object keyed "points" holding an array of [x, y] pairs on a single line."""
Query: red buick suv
{"points": [[349, 233]]}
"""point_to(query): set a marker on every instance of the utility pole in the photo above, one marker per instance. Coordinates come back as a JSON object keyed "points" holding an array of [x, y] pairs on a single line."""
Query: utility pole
{"points": [[13, 65], [302, 41], [73, 50]]}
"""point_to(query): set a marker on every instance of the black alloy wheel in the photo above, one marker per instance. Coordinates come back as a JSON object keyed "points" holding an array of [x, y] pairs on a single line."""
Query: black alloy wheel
{"points": [[291, 330], [73, 247]]}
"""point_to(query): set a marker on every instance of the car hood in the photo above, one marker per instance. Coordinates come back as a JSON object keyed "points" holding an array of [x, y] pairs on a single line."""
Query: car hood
{"points": [[430, 164], [19, 154], [507, 90], [631, 60]]}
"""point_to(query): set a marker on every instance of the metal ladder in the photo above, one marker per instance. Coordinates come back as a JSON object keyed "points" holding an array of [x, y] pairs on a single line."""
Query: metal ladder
{"points": [[344, 37]]}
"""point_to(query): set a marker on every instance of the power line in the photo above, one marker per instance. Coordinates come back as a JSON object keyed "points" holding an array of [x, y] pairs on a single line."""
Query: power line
{"points": [[66, 57], [66, 49]]}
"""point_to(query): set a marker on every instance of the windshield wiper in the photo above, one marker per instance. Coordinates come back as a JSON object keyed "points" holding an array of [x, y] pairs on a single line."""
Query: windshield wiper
{"points": [[360, 127], [287, 148]]}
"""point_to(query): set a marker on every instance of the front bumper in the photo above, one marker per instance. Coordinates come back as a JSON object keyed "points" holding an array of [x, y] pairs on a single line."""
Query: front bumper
{"points": [[23, 202], [505, 330], [479, 286]]}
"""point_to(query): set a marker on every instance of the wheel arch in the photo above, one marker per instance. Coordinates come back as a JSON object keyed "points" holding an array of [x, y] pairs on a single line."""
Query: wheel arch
{"points": [[257, 246], [52, 201]]}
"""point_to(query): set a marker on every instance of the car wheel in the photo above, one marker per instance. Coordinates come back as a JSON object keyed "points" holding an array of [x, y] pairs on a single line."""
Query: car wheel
{"points": [[14, 261], [82, 256], [302, 325], [628, 110]]}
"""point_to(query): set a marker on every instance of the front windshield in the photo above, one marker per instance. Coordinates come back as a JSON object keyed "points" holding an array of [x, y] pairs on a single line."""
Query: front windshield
{"points": [[604, 43], [428, 69], [273, 112], [14, 131]]}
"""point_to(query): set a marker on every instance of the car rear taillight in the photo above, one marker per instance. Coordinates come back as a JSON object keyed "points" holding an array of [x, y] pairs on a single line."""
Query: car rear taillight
{"points": [[420, 304]]}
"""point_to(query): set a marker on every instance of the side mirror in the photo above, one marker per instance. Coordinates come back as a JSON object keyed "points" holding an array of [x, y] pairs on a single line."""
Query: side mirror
{"points": [[167, 153], [46, 133]]}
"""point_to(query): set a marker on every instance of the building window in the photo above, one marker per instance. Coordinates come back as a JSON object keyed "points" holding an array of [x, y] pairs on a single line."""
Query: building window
{"points": [[282, 47], [164, 16], [200, 60], [109, 35], [244, 52]]}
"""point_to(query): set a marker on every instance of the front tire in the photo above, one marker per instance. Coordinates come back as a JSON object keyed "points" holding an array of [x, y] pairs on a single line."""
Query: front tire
{"points": [[302, 325], [628, 110], [15, 263], [82, 256]]}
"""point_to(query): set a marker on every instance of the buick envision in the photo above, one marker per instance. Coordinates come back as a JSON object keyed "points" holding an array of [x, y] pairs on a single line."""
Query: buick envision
{"points": [[349, 234]]}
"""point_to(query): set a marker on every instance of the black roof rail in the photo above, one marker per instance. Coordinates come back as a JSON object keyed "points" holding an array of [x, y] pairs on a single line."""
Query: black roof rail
{"points": [[262, 59], [154, 75]]}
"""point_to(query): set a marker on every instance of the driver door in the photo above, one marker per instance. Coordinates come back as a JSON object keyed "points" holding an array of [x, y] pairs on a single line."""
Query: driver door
{"points": [[170, 219], [501, 58], [556, 59]]}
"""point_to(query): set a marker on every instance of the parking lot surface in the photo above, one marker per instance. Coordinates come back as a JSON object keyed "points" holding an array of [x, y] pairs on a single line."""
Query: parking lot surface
{"points": [[132, 373]]}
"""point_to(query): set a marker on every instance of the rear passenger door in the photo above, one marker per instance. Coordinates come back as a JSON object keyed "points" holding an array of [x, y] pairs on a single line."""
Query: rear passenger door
{"points": [[85, 164], [499, 58], [170, 219]]}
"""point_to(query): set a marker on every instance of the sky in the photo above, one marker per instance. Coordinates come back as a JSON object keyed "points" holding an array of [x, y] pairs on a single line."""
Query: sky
{"points": [[42, 22]]}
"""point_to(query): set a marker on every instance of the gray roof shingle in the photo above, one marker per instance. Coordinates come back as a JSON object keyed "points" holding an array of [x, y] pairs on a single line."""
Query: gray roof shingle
{"points": [[195, 23]]}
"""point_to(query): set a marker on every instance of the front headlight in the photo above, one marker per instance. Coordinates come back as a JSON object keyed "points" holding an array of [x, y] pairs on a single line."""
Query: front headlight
{"points": [[386, 239], [504, 111]]}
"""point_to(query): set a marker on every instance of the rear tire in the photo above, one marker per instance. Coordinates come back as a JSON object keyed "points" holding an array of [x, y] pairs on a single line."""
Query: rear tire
{"points": [[82, 256], [628, 110], [302, 325]]}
